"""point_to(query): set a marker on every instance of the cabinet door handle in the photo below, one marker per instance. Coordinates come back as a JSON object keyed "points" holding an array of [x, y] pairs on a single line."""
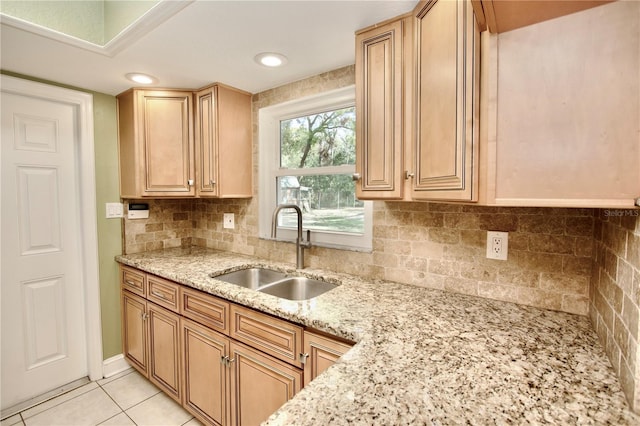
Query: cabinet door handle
{"points": [[356, 177], [145, 316], [303, 358], [408, 175], [190, 182], [212, 182], [226, 360]]}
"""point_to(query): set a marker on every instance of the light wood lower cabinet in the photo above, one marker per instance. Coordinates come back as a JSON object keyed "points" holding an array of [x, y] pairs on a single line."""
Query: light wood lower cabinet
{"points": [[151, 342], [134, 331], [226, 364], [206, 376], [321, 352], [164, 350], [260, 384]]}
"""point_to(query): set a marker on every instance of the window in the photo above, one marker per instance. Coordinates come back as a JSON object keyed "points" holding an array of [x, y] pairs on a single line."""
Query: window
{"points": [[307, 157]]}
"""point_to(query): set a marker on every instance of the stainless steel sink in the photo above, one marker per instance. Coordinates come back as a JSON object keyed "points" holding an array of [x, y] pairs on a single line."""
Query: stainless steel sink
{"points": [[297, 288], [276, 283], [253, 278]]}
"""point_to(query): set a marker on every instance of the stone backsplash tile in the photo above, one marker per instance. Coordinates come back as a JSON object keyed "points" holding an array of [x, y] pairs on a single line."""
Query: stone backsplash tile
{"points": [[613, 296]]}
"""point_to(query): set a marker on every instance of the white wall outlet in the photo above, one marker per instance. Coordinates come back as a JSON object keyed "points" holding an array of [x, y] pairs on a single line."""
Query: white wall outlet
{"points": [[497, 245], [114, 210], [228, 221]]}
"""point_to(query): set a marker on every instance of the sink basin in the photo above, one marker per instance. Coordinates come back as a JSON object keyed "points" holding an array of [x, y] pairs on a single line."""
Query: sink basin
{"points": [[252, 278], [297, 288], [276, 283]]}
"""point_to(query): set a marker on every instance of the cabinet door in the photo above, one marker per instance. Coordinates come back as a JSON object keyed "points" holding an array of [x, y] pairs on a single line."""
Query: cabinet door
{"points": [[260, 384], [134, 331], [445, 152], [164, 350], [223, 143], [379, 108], [166, 137], [206, 146], [206, 377], [322, 352]]}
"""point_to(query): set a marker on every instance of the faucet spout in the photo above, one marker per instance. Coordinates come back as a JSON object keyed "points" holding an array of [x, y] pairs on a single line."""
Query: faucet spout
{"points": [[300, 243]]}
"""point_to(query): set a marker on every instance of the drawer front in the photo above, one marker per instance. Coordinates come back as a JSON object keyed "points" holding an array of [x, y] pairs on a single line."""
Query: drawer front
{"points": [[274, 336], [163, 292], [206, 309], [133, 280]]}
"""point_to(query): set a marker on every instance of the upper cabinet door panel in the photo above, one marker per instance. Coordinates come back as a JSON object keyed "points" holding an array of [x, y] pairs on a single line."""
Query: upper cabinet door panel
{"points": [[444, 151], [379, 97], [167, 142], [205, 141]]}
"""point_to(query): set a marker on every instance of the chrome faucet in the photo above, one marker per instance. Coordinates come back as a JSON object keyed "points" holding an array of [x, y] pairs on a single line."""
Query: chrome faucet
{"points": [[300, 243]]}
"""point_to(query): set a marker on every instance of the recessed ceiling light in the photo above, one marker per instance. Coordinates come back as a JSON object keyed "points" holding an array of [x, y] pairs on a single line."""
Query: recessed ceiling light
{"points": [[140, 78], [270, 59]]}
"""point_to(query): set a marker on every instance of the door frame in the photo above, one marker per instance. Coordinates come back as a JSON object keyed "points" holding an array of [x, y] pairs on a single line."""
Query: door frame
{"points": [[83, 103]]}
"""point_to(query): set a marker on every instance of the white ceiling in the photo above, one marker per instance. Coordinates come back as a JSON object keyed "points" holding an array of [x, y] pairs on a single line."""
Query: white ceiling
{"points": [[210, 41]]}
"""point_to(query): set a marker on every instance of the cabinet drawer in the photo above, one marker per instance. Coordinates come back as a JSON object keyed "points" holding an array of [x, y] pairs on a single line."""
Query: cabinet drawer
{"points": [[206, 309], [271, 335], [162, 292], [133, 280]]}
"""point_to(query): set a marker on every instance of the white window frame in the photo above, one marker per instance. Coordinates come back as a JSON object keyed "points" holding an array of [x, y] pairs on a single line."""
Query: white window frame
{"points": [[269, 166]]}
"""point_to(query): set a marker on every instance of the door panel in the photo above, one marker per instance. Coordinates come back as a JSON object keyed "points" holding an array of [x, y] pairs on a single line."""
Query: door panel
{"points": [[43, 308], [206, 378], [259, 385], [164, 350]]}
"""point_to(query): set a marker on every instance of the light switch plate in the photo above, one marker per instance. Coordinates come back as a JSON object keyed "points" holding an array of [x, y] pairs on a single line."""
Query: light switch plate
{"points": [[228, 221], [114, 210]]}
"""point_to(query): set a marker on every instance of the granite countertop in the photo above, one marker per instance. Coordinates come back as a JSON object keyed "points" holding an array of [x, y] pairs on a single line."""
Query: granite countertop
{"points": [[424, 356]]}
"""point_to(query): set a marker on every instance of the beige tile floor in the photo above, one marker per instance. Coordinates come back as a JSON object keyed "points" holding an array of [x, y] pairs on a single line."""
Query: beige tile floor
{"points": [[124, 399]]}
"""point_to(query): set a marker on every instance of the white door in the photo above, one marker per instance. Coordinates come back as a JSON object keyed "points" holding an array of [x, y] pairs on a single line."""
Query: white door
{"points": [[43, 301]]}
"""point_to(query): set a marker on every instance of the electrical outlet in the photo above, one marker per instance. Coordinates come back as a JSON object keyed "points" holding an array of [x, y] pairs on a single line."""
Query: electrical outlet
{"points": [[228, 221], [497, 245]]}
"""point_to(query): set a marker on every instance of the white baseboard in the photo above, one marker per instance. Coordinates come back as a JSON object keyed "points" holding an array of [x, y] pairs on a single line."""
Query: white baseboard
{"points": [[114, 365]]}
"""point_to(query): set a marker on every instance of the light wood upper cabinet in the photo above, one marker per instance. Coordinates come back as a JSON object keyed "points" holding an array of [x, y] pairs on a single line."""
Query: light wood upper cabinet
{"points": [[170, 146], [156, 143], [223, 142], [382, 56], [417, 81], [560, 111], [500, 16], [445, 151]]}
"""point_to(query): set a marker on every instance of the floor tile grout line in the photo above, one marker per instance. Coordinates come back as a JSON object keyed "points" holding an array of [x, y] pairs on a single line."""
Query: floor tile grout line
{"points": [[24, 419]]}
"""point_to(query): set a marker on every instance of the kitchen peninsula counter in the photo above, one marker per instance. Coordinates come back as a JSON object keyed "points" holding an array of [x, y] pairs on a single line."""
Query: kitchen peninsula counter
{"points": [[424, 356]]}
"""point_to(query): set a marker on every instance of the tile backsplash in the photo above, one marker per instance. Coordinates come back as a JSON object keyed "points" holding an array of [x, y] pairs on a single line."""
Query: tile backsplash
{"points": [[425, 244], [615, 294]]}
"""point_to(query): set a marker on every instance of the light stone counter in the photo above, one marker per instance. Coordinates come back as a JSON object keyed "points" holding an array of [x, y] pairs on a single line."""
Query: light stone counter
{"points": [[425, 356]]}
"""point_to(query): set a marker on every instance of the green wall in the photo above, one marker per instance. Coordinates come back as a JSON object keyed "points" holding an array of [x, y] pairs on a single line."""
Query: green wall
{"points": [[81, 19], [105, 130], [96, 21], [119, 14]]}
